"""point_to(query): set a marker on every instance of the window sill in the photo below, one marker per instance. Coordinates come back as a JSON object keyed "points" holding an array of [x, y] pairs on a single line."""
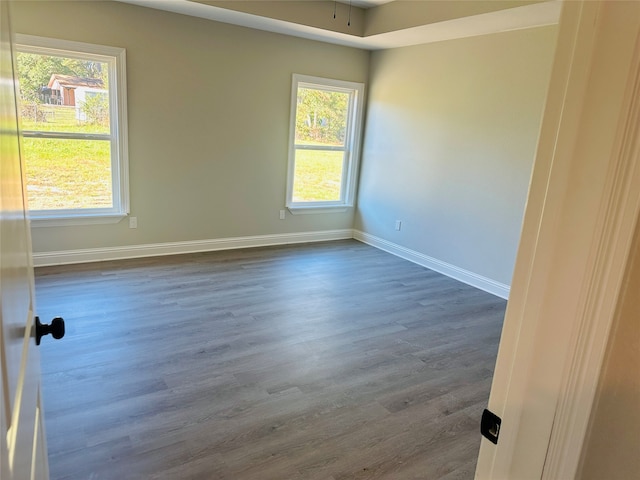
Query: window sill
{"points": [[319, 209], [65, 221]]}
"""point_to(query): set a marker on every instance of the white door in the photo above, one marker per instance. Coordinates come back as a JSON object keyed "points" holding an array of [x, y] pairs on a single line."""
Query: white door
{"points": [[23, 453], [584, 201]]}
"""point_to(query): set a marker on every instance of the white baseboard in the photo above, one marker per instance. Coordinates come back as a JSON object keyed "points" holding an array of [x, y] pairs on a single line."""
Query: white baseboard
{"points": [[483, 283], [42, 259]]}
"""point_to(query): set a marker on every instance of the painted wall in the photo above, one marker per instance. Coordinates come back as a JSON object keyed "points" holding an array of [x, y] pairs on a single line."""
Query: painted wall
{"points": [[450, 138], [612, 447], [448, 146], [208, 121]]}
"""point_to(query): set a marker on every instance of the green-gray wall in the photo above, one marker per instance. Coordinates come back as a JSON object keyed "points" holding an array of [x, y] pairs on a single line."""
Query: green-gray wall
{"points": [[208, 108], [451, 134], [449, 138]]}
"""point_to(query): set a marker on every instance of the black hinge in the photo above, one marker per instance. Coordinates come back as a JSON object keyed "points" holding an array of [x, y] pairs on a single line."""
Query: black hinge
{"points": [[490, 426]]}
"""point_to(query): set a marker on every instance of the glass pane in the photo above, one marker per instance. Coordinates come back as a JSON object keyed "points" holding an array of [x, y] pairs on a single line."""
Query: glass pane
{"points": [[68, 173], [317, 176], [321, 117], [63, 94]]}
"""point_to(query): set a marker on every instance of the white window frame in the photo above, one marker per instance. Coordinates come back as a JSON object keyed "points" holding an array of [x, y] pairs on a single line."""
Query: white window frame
{"points": [[115, 57], [351, 148]]}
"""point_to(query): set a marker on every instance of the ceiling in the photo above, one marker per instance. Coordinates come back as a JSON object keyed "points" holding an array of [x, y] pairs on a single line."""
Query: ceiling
{"points": [[366, 3], [377, 24]]}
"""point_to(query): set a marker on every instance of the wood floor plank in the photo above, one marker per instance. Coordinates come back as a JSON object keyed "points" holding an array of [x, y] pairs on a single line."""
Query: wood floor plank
{"points": [[328, 361]]}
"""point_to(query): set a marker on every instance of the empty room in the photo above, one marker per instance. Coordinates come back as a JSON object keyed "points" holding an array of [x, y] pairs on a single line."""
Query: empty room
{"points": [[319, 240]]}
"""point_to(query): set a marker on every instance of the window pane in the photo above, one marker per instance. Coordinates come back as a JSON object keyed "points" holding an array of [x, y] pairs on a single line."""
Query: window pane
{"points": [[317, 176], [325, 132], [63, 94], [321, 117], [65, 174]]}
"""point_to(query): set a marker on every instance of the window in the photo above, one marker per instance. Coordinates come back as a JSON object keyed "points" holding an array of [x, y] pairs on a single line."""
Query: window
{"points": [[324, 140], [73, 115]]}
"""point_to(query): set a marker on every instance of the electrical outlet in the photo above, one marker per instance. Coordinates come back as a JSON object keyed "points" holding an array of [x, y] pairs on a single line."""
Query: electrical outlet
{"points": [[398, 225], [282, 213], [133, 222]]}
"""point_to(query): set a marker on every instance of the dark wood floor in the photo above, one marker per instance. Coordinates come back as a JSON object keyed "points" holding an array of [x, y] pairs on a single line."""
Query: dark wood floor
{"points": [[330, 361]]}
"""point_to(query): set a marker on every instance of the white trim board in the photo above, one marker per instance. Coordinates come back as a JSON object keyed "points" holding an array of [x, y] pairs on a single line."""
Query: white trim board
{"points": [[67, 257], [573, 252], [43, 259], [465, 276]]}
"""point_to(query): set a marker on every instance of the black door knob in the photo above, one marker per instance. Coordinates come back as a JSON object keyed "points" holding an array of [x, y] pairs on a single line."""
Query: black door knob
{"points": [[55, 328]]}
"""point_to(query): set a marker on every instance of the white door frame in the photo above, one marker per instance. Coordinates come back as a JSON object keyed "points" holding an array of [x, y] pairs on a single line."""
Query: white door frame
{"points": [[584, 202]]}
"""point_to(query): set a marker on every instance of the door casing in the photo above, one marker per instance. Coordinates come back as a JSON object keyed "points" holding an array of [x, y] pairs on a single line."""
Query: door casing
{"points": [[583, 205]]}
